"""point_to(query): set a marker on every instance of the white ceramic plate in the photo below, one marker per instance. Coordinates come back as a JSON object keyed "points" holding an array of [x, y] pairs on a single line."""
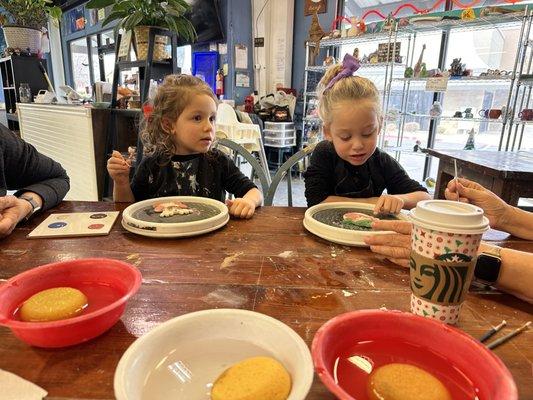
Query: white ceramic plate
{"points": [[178, 229], [334, 234], [181, 358]]}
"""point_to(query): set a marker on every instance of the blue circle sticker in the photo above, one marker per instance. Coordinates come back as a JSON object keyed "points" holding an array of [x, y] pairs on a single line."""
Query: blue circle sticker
{"points": [[56, 225]]}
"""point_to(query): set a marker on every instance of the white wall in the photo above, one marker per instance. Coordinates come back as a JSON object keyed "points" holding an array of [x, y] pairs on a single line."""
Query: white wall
{"points": [[56, 55]]}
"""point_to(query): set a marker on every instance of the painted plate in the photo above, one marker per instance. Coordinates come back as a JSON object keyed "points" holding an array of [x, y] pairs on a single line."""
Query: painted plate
{"points": [[205, 215], [343, 222]]}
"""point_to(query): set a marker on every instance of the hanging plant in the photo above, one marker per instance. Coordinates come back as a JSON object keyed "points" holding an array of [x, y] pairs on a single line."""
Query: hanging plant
{"points": [[170, 14], [29, 13]]}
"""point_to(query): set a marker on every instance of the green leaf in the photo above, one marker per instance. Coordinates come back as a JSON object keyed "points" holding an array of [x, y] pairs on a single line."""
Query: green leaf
{"points": [[114, 16], [99, 3]]}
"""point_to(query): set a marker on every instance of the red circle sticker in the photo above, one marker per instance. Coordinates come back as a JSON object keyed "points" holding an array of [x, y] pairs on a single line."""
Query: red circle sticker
{"points": [[96, 226]]}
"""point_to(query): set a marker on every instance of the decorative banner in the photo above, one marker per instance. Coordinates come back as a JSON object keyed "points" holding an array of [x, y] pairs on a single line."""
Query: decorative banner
{"points": [[439, 281], [315, 6]]}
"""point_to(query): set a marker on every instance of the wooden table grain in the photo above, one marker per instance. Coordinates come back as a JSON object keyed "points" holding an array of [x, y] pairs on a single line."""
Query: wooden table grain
{"points": [[269, 264], [509, 174]]}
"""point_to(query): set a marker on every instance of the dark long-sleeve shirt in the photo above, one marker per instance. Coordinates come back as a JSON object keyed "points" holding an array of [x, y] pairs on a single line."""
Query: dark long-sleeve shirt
{"points": [[24, 169], [329, 175], [205, 175]]}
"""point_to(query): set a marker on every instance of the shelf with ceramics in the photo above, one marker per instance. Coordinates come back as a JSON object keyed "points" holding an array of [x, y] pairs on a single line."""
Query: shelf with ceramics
{"points": [[452, 118], [323, 68], [462, 80], [457, 20], [434, 22]]}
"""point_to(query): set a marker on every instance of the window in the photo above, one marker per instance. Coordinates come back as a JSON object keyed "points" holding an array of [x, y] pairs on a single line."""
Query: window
{"points": [[80, 65], [184, 55]]}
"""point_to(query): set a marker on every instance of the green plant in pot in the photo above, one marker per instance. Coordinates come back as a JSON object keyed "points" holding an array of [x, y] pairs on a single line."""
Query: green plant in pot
{"points": [[23, 20], [139, 15]]}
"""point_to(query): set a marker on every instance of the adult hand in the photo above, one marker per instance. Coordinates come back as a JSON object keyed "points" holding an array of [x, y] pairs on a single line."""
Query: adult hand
{"points": [[118, 168], [395, 246], [241, 207], [388, 204], [12, 211], [471, 192]]}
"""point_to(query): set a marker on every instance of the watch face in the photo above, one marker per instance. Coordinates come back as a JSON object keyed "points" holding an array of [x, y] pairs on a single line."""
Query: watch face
{"points": [[487, 268]]}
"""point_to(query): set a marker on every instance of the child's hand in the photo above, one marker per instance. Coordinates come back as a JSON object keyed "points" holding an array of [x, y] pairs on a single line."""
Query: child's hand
{"points": [[241, 207], [118, 169], [388, 204]]}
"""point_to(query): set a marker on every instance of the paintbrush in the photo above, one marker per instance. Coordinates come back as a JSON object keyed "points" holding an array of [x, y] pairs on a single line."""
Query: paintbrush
{"points": [[507, 337], [126, 160], [492, 331], [456, 178]]}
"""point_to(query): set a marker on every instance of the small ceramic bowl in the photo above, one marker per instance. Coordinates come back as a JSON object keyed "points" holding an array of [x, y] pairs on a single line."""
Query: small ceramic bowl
{"points": [[181, 358], [347, 348], [107, 283]]}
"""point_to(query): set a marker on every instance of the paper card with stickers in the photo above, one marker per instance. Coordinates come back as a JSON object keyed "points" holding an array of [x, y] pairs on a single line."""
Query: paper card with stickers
{"points": [[75, 224]]}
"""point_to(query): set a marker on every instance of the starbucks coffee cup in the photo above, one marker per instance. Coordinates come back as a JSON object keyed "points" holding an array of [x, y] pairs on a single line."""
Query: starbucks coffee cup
{"points": [[444, 243]]}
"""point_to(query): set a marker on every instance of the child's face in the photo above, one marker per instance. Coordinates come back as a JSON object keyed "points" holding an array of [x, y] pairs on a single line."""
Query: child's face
{"points": [[194, 130], [354, 129]]}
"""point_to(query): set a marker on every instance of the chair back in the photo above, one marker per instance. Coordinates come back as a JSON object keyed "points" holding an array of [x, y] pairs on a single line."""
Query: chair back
{"points": [[240, 150], [285, 170]]}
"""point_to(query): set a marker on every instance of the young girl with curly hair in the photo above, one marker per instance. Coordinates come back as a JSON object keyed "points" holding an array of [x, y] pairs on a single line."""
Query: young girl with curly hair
{"points": [[178, 158]]}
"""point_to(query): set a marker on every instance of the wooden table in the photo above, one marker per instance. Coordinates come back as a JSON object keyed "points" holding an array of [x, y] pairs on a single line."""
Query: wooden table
{"points": [[508, 174], [279, 269]]}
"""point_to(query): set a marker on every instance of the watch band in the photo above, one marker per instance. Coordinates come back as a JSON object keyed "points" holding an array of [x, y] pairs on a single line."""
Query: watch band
{"points": [[495, 251], [34, 206]]}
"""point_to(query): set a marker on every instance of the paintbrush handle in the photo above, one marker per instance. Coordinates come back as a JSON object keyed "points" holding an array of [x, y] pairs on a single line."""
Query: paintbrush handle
{"points": [[507, 337], [487, 335]]}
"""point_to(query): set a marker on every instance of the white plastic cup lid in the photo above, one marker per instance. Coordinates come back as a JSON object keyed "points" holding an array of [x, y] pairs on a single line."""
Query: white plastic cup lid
{"points": [[449, 216]]}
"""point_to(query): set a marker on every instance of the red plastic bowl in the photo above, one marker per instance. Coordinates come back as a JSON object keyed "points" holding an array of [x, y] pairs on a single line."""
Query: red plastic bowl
{"points": [[486, 371], [123, 278]]}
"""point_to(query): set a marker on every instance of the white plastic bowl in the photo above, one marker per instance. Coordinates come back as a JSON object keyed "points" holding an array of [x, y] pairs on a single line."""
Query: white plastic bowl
{"points": [[208, 342]]}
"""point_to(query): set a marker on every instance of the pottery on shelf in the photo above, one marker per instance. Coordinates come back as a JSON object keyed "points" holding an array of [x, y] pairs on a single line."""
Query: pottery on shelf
{"points": [[436, 109], [456, 68], [468, 113]]}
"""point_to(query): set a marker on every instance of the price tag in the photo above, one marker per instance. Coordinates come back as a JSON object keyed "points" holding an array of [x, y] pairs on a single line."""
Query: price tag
{"points": [[438, 84]]}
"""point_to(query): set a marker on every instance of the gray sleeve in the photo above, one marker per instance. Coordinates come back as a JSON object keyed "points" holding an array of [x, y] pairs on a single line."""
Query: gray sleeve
{"points": [[26, 170]]}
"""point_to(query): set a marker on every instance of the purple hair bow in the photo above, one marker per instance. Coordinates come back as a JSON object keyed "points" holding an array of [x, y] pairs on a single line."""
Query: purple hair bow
{"points": [[349, 66]]}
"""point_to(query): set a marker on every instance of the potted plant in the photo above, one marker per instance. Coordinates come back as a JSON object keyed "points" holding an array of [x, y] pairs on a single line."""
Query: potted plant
{"points": [[23, 20], [140, 15]]}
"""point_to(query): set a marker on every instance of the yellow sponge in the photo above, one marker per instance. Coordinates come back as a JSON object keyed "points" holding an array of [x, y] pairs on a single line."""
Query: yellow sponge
{"points": [[405, 382], [53, 304], [256, 378]]}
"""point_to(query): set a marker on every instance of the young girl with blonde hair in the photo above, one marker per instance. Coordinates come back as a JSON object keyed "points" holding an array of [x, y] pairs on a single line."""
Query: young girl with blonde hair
{"points": [[178, 158], [348, 166]]}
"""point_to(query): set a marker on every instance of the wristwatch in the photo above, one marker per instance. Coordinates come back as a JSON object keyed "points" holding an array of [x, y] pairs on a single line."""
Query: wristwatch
{"points": [[34, 206], [488, 266]]}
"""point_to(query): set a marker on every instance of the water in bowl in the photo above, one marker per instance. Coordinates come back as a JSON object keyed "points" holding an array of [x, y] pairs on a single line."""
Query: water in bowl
{"points": [[353, 376], [189, 370]]}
